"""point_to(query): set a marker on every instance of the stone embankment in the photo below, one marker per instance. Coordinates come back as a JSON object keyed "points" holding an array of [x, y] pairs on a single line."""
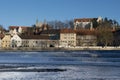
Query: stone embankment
{"points": [[94, 48], [63, 48]]}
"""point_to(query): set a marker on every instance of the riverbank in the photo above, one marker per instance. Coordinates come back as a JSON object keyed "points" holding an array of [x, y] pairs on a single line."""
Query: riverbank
{"points": [[62, 48], [93, 48]]}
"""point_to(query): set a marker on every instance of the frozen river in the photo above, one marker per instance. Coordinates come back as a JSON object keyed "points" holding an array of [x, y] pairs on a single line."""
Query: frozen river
{"points": [[61, 65]]}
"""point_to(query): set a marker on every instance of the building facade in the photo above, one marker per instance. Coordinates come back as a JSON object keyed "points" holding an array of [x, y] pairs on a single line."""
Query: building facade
{"points": [[13, 30], [16, 41], [84, 23], [1, 37], [86, 38], [34, 41], [6, 41], [67, 38]]}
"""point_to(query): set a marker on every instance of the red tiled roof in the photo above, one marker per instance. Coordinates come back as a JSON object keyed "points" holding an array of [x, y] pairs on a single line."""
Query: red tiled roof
{"points": [[16, 27], [67, 31], [79, 32], [34, 37], [86, 32], [85, 19], [52, 31]]}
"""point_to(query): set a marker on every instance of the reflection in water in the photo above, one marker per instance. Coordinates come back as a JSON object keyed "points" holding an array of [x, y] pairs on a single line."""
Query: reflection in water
{"points": [[73, 57]]}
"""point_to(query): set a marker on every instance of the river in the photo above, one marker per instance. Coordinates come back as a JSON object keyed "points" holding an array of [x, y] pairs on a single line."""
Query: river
{"points": [[75, 65]]}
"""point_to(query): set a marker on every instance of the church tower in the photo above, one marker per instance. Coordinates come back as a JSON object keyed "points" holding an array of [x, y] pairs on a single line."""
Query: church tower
{"points": [[38, 24]]}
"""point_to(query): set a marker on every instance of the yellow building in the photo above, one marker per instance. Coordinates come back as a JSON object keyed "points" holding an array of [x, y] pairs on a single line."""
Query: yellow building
{"points": [[6, 41]]}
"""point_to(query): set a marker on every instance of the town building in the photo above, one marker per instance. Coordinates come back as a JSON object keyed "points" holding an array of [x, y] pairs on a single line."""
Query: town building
{"points": [[67, 38], [86, 38], [6, 41], [13, 30], [1, 37], [84, 23], [16, 41], [54, 36], [34, 41]]}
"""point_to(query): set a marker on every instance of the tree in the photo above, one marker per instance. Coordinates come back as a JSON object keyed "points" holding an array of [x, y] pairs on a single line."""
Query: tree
{"points": [[57, 24], [61, 24], [71, 23], [105, 35], [95, 23], [2, 29]]}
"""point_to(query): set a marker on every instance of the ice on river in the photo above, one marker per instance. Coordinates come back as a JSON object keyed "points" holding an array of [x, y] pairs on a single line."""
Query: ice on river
{"points": [[72, 73]]}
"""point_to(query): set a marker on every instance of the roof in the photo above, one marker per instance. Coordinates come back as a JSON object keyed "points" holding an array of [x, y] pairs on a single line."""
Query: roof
{"points": [[52, 31], [34, 37], [84, 19], [16, 27], [67, 31], [86, 32]]}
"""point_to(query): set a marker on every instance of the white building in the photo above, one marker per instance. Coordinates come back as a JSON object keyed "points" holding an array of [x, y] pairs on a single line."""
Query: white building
{"points": [[16, 41], [84, 23], [20, 30], [34, 41], [13, 30]]}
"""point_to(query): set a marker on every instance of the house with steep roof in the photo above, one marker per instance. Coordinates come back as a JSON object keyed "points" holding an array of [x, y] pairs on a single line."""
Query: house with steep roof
{"points": [[13, 30], [6, 41], [16, 41]]}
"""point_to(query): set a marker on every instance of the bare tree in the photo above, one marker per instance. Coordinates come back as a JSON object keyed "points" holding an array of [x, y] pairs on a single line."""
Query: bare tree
{"points": [[105, 34]]}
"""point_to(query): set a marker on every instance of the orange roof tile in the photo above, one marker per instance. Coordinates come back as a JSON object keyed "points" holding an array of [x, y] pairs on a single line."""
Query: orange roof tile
{"points": [[86, 32], [84, 19], [67, 31], [34, 37]]}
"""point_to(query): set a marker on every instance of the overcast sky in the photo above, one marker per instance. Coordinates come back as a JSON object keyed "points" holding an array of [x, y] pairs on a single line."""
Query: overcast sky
{"points": [[25, 12]]}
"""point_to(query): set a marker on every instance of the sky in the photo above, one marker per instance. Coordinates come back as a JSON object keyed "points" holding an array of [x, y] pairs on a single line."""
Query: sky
{"points": [[26, 12]]}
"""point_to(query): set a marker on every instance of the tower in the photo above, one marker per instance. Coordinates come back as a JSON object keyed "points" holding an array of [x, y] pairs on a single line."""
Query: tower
{"points": [[36, 23]]}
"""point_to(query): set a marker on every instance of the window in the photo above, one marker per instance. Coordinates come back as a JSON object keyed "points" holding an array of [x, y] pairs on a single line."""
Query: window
{"points": [[65, 34], [65, 37], [36, 42], [72, 37]]}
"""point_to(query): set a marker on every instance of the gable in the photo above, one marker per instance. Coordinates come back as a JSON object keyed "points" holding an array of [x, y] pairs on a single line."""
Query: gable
{"points": [[7, 37], [16, 37]]}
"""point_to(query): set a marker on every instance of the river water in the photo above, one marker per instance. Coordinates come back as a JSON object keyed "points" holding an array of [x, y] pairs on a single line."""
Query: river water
{"points": [[78, 65]]}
